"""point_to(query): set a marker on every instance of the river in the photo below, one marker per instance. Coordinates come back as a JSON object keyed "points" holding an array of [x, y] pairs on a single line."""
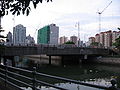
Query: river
{"points": [[99, 74]]}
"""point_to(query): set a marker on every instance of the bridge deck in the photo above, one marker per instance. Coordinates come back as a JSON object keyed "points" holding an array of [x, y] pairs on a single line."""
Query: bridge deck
{"points": [[37, 50]]}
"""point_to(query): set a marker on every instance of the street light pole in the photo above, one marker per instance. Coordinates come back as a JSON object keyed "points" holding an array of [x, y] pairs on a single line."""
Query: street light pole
{"points": [[78, 26]]}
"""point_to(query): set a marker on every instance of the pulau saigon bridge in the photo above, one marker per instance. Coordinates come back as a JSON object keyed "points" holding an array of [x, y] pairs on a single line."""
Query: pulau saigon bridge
{"points": [[80, 53]]}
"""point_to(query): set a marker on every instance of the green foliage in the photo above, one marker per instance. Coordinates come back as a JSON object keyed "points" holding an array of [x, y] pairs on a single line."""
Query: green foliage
{"points": [[17, 6], [94, 44], [69, 42], [117, 43], [118, 28]]}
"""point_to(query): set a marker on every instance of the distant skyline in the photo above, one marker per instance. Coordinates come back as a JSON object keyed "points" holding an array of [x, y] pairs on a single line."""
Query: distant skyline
{"points": [[65, 14]]}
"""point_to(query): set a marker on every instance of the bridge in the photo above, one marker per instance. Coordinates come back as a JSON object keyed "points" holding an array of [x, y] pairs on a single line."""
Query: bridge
{"points": [[11, 51], [37, 50], [8, 52]]}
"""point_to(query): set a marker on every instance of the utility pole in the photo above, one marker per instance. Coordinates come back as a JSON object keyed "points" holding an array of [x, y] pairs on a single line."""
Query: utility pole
{"points": [[99, 13]]}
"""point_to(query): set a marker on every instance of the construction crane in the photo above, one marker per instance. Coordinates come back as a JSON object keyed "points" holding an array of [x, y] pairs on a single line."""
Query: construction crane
{"points": [[99, 13]]}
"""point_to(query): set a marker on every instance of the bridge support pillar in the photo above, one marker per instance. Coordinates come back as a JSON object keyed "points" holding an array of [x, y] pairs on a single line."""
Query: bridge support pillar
{"points": [[85, 56], [13, 61], [49, 60], [0, 59], [4, 60]]}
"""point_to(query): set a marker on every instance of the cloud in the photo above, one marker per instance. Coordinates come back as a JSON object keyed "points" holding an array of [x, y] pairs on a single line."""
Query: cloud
{"points": [[65, 14]]}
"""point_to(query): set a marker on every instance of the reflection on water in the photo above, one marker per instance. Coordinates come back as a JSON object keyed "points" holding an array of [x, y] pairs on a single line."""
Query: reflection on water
{"points": [[69, 86], [89, 73], [94, 74]]}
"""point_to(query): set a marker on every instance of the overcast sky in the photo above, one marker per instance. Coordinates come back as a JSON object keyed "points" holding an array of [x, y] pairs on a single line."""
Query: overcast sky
{"points": [[65, 14]]}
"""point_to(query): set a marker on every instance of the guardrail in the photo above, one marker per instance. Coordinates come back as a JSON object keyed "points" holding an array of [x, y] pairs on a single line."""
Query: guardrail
{"points": [[19, 78]]}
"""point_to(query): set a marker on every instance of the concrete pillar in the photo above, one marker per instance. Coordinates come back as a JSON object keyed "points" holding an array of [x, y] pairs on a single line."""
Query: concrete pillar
{"points": [[13, 61], [49, 60], [80, 61], [0, 59], [4, 60], [62, 60], [85, 56]]}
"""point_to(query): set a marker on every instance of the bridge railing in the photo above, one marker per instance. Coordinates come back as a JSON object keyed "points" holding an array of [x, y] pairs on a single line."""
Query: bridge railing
{"points": [[19, 78]]}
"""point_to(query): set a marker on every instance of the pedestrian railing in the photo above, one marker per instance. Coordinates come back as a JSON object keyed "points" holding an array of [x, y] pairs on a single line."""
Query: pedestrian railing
{"points": [[19, 78]]}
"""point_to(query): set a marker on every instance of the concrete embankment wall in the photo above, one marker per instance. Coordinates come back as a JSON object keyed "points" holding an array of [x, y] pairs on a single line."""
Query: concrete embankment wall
{"points": [[108, 60], [43, 59]]}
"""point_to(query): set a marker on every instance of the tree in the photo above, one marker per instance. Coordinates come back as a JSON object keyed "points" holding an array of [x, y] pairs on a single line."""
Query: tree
{"points": [[69, 42], [118, 28], [18, 6], [96, 44], [117, 43]]}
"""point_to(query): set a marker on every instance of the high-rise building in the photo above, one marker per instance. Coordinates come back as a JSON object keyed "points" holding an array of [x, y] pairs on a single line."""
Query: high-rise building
{"points": [[9, 38], [30, 40], [91, 40], [102, 38], [48, 34], [19, 35], [108, 38], [97, 38], [63, 40], [74, 39]]}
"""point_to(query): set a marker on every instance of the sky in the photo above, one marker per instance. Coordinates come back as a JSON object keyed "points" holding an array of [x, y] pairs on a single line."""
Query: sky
{"points": [[66, 14]]}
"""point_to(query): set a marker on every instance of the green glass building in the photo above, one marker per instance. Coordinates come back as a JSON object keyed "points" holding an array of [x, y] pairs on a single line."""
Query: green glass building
{"points": [[48, 35], [43, 35]]}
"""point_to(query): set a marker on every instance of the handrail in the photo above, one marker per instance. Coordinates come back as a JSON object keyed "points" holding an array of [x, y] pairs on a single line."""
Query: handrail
{"points": [[73, 81], [7, 74], [6, 77]]}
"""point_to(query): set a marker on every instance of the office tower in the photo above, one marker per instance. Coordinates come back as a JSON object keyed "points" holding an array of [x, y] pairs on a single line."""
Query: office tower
{"points": [[48, 35], [19, 35]]}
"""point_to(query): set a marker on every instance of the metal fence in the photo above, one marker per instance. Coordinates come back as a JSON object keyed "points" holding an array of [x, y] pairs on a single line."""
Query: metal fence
{"points": [[18, 78]]}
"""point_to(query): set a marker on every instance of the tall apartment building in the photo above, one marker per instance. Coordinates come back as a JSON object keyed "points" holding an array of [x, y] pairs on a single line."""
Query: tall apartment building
{"points": [[108, 38], [91, 40], [102, 38], [97, 38], [63, 40], [48, 34], [19, 35], [74, 39]]}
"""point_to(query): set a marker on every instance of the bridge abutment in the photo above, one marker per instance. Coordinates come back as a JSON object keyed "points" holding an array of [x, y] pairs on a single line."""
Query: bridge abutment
{"points": [[49, 60], [8, 60]]}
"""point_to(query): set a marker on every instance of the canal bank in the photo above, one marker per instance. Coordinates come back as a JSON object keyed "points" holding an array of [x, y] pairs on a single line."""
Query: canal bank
{"points": [[57, 60], [108, 60]]}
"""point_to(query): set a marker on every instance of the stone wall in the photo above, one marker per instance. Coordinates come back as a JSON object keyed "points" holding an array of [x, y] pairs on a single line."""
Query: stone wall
{"points": [[108, 60]]}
